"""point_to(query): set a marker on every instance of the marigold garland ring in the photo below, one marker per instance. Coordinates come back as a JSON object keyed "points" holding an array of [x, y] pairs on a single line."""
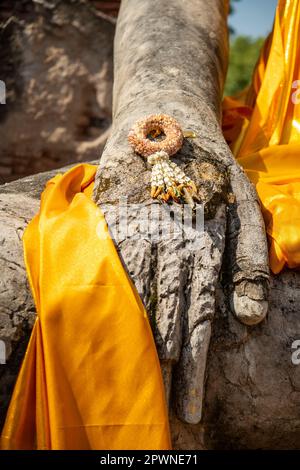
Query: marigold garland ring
{"points": [[156, 124], [157, 137]]}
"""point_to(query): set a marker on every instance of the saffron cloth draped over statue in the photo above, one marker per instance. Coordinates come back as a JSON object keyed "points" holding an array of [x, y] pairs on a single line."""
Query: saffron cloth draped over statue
{"points": [[262, 127], [91, 377]]}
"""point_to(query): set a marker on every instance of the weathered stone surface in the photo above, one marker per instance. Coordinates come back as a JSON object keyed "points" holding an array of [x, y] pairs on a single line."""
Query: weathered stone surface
{"points": [[253, 388], [56, 61], [16, 305]]}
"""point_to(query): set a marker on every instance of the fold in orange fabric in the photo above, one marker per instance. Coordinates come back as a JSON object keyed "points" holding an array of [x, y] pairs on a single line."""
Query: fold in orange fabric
{"points": [[90, 378], [262, 127]]}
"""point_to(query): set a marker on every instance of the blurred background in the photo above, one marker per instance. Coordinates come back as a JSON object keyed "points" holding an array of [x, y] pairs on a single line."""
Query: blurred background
{"points": [[250, 21], [56, 60]]}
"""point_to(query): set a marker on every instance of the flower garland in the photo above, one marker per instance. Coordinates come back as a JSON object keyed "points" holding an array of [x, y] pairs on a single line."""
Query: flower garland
{"points": [[157, 137]]}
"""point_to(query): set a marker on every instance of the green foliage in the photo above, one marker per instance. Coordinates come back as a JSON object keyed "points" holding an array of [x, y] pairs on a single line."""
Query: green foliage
{"points": [[244, 52]]}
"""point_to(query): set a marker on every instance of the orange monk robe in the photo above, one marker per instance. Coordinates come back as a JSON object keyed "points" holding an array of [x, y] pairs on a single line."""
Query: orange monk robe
{"points": [[262, 127]]}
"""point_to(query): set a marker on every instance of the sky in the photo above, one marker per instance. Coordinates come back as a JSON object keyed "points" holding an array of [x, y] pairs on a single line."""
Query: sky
{"points": [[253, 17]]}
